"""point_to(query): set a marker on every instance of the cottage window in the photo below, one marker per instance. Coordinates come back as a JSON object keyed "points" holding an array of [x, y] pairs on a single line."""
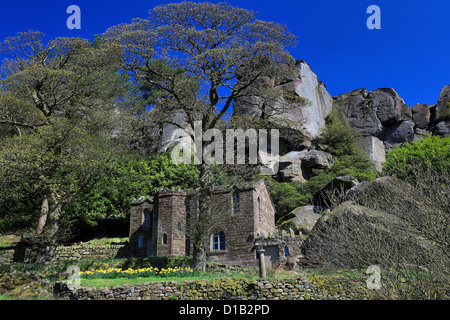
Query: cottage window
{"points": [[140, 242], [235, 202], [147, 220], [164, 238], [218, 241], [258, 209]]}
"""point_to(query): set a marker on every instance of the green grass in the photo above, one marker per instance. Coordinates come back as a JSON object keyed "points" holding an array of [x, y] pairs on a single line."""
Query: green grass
{"points": [[107, 241], [250, 273], [8, 240]]}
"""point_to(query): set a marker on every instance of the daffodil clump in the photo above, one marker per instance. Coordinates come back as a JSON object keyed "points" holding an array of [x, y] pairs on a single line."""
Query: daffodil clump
{"points": [[113, 273]]}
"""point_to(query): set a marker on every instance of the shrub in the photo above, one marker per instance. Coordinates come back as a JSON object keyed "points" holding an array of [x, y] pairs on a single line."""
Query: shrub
{"points": [[430, 153]]}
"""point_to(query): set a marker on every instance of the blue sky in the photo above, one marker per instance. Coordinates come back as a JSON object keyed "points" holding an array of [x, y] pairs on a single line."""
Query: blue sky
{"points": [[411, 52]]}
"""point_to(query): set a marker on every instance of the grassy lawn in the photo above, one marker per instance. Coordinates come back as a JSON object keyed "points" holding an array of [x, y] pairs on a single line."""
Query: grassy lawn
{"points": [[107, 241], [250, 273], [8, 240]]}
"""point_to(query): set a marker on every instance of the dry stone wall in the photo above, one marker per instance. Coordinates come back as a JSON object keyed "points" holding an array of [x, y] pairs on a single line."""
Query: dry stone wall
{"points": [[312, 288], [66, 253]]}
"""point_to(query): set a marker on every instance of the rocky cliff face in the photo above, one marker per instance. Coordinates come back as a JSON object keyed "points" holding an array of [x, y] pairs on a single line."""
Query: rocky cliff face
{"points": [[440, 114], [308, 86], [383, 120], [307, 118], [380, 117]]}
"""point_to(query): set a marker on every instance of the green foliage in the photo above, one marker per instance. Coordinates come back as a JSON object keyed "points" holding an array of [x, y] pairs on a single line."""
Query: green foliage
{"points": [[110, 197], [287, 196], [337, 138], [431, 153], [113, 273], [340, 141]]}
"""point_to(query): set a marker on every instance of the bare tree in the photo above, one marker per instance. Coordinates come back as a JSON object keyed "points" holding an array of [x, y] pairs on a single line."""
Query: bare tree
{"points": [[201, 57]]}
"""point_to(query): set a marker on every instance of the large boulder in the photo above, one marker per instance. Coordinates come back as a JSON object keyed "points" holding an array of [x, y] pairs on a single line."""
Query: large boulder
{"points": [[421, 115], [354, 236], [305, 218], [298, 165], [377, 222], [442, 128], [441, 113], [443, 105], [357, 111], [375, 150], [385, 182], [334, 192], [379, 117], [388, 105], [399, 133], [315, 159], [291, 168]]}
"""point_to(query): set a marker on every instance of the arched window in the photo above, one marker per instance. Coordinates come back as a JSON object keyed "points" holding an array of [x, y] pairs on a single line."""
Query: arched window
{"points": [[147, 220], [218, 241], [164, 239]]}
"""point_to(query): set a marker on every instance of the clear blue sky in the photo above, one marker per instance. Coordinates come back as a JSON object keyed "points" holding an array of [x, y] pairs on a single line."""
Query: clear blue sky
{"points": [[411, 52]]}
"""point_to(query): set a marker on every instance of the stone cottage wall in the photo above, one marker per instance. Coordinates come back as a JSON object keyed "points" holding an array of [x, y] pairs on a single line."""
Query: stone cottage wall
{"points": [[264, 212], [136, 227], [239, 228], [171, 239]]}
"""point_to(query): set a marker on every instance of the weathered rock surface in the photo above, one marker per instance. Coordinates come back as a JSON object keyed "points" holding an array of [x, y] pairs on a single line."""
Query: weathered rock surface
{"points": [[334, 191], [305, 218], [302, 83], [443, 105], [374, 149], [421, 115], [441, 113], [398, 133], [298, 165], [308, 86], [380, 117], [442, 128], [357, 111], [317, 160], [388, 105]]}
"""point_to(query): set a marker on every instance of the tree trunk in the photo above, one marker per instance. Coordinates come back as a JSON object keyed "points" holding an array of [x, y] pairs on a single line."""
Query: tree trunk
{"points": [[43, 216], [203, 222], [48, 227]]}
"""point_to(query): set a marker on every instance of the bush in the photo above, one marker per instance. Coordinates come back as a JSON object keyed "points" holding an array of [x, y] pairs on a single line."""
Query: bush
{"points": [[287, 196], [430, 153]]}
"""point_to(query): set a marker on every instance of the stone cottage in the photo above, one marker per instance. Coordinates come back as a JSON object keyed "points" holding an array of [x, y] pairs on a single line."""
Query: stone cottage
{"points": [[161, 225]]}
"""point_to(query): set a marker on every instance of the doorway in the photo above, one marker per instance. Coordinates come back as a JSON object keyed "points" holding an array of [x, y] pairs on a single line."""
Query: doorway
{"points": [[149, 247]]}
